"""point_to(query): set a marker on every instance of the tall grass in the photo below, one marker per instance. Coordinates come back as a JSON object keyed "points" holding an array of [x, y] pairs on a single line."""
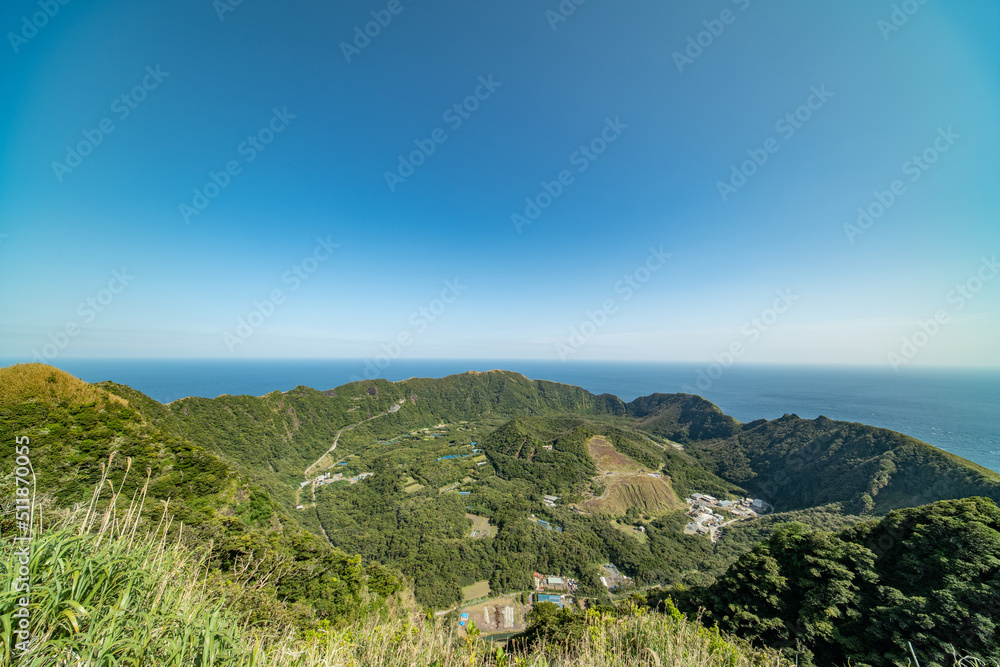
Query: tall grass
{"points": [[105, 590], [39, 382], [108, 590], [649, 639]]}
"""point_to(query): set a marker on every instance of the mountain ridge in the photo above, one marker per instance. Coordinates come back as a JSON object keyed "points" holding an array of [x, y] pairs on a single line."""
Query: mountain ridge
{"points": [[683, 418]]}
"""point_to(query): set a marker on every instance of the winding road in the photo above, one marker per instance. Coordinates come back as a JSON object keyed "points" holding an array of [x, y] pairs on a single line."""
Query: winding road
{"points": [[336, 438]]}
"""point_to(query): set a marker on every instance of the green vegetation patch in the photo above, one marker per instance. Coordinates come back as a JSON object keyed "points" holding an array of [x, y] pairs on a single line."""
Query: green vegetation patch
{"points": [[476, 591], [931, 572]]}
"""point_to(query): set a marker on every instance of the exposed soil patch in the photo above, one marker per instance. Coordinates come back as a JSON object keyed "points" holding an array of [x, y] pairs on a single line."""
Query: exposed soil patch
{"points": [[650, 495], [608, 459]]}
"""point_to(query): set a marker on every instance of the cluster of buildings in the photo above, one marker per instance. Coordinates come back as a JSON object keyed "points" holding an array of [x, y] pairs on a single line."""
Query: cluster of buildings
{"points": [[327, 478], [750, 507], [550, 501], [706, 519], [552, 589]]}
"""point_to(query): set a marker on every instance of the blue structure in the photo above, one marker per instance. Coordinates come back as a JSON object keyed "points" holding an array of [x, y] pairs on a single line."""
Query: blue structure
{"points": [[554, 599], [548, 526]]}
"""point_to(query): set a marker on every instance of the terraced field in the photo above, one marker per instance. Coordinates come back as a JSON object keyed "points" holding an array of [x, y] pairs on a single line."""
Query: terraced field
{"points": [[650, 495], [625, 486]]}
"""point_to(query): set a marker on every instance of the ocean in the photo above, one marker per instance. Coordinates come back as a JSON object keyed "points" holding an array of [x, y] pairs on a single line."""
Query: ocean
{"points": [[957, 410]]}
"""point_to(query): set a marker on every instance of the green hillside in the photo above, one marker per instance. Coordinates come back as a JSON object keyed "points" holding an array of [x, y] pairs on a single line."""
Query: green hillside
{"points": [[926, 577], [872, 470], [331, 506], [83, 439], [682, 418], [798, 463]]}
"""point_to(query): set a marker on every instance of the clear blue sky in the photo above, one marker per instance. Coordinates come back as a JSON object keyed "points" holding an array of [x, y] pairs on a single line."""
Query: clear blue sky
{"points": [[188, 279]]}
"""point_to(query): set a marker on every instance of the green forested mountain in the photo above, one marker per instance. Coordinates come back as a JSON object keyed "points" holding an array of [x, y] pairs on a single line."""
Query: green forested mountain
{"points": [[352, 494], [867, 468], [798, 463], [929, 576], [682, 418]]}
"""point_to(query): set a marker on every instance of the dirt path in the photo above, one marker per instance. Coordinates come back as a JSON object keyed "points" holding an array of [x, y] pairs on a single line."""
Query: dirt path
{"points": [[332, 447], [298, 492], [337, 437]]}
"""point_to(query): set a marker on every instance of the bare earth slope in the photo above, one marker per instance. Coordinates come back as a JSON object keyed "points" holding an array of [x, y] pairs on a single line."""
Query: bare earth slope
{"points": [[626, 486]]}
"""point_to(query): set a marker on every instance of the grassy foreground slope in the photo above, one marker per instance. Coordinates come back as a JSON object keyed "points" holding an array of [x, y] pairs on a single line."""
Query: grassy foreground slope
{"points": [[111, 592], [83, 438]]}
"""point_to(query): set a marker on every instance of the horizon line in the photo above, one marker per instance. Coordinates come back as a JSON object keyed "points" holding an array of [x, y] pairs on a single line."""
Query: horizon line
{"points": [[9, 361]]}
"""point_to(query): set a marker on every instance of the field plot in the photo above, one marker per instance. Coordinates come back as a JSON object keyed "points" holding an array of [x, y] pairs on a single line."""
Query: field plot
{"points": [[608, 459], [480, 589], [504, 614], [481, 527], [411, 485], [629, 530]]}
